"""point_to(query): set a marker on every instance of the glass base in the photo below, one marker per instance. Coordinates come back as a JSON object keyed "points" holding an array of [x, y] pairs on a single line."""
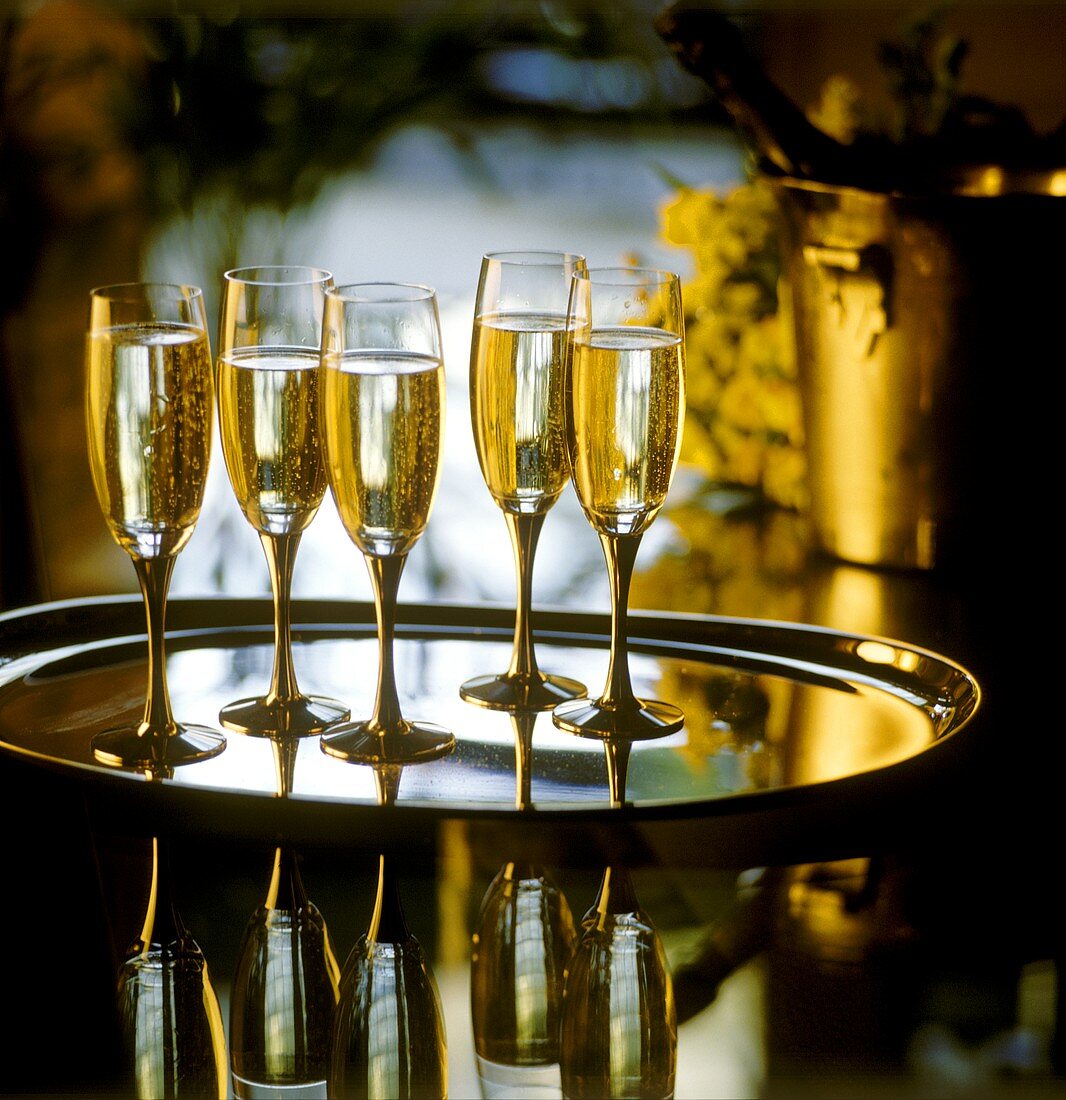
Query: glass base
{"points": [[509, 691], [300, 717], [361, 743], [127, 748], [637, 720], [254, 1090], [502, 1082]]}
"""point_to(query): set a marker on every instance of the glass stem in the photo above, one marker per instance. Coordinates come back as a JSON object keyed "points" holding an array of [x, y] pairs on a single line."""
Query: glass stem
{"points": [[385, 577], [524, 531], [620, 552], [280, 553], [387, 783], [523, 722], [617, 756], [284, 764], [154, 574]]}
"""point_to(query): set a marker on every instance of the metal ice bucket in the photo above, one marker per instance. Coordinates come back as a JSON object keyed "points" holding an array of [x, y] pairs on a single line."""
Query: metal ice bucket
{"points": [[928, 333]]}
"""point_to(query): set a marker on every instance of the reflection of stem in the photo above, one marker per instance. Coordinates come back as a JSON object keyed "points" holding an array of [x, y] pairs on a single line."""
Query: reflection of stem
{"points": [[387, 923], [385, 576], [154, 576], [523, 722], [620, 552], [617, 754], [525, 531], [387, 783], [162, 923], [280, 553], [285, 749]]}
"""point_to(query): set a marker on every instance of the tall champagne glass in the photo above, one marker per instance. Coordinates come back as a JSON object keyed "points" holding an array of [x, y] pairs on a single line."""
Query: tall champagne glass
{"points": [[625, 407], [268, 360], [618, 1026], [382, 408], [169, 1012], [284, 993], [516, 406], [522, 946], [149, 402], [389, 1037]]}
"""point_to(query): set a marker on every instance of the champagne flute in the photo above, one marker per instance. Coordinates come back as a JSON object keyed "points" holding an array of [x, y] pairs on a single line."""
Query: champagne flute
{"points": [[285, 990], [169, 1011], [516, 406], [286, 980], [618, 1026], [522, 946], [148, 402], [382, 408], [268, 358], [625, 407], [389, 1037]]}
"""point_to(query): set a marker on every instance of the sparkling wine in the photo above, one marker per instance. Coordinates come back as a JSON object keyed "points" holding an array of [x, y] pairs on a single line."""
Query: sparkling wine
{"points": [[149, 402], [268, 415], [624, 423], [516, 405], [385, 412]]}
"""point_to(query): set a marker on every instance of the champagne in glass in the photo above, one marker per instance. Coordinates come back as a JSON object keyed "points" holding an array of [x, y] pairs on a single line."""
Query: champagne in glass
{"points": [[516, 406], [625, 408], [149, 401], [382, 411], [268, 365]]}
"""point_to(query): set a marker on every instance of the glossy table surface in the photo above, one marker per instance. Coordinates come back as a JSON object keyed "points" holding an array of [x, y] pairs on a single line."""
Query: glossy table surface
{"points": [[848, 855], [774, 711]]}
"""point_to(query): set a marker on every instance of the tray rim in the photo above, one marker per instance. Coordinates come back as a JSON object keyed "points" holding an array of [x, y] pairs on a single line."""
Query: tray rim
{"points": [[306, 816]]}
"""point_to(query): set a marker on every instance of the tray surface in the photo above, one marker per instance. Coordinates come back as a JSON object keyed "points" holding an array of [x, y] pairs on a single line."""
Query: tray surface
{"points": [[770, 707]]}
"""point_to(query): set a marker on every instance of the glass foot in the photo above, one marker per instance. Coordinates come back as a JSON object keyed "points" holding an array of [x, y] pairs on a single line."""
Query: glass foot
{"points": [[521, 692], [299, 717], [129, 748], [360, 743], [637, 720]]}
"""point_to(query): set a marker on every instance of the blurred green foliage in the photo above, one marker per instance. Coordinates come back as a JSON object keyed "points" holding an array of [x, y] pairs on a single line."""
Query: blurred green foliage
{"points": [[269, 106]]}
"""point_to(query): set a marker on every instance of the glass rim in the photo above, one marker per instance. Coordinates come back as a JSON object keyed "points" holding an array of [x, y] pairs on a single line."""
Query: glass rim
{"points": [[259, 275], [534, 257], [382, 293], [628, 276], [140, 292]]}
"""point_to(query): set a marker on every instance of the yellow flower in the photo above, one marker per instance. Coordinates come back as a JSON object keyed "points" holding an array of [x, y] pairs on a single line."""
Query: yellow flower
{"points": [[682, 218], [838, 111], [743, 423], [740, 402]]}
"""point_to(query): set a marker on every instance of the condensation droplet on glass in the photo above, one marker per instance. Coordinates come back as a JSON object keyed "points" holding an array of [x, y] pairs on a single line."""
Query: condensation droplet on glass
{"points": [[617, 473]]}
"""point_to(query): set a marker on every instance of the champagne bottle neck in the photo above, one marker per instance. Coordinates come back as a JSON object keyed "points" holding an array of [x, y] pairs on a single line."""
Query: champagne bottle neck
{"points": [[710, 46]]}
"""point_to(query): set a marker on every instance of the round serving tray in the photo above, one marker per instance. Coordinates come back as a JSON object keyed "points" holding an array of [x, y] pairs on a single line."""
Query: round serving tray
{"points": [[792, 732]]}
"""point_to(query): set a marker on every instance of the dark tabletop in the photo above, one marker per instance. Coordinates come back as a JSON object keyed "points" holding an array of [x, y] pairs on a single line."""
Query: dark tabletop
{"points": [[887, 919]]}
